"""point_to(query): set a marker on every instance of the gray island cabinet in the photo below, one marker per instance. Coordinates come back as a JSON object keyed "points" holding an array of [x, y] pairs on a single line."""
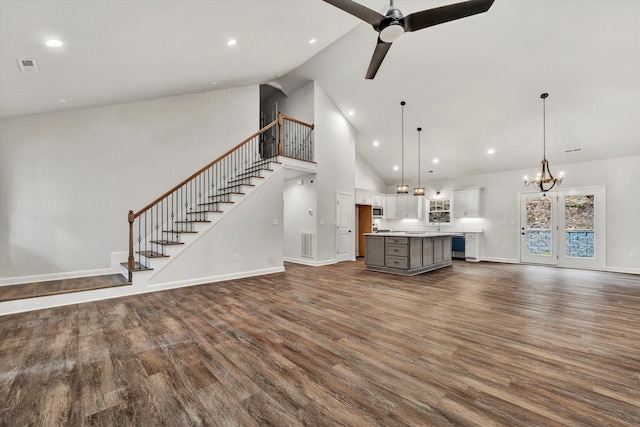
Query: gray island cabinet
{"points": [[407, 254]]}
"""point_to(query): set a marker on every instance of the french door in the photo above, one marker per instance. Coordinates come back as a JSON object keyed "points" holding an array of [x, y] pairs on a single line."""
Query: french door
{"points": [[538, 229], [564, 228]]}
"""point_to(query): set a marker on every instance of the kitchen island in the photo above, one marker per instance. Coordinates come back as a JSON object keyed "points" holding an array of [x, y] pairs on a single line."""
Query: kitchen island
{"points": [[407, 254]]}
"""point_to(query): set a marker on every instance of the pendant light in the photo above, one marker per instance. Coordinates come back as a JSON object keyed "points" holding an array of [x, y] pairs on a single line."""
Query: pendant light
{"points": [[402, 188], [419, 191], [544, 181]]}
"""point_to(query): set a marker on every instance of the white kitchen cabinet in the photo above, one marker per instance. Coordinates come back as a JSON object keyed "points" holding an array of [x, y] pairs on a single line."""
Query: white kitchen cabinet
{"points": [[471, 249], [364, 197], [410, 206], [378, 200], [391, 209], [466, 203]]}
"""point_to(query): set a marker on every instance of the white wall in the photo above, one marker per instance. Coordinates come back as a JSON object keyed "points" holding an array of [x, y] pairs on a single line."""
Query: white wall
{"points": [[367, 178], [334, 140], [500, 208], [67, 180], [299, 104], [300, 197], [248, 232], [336, 156]]}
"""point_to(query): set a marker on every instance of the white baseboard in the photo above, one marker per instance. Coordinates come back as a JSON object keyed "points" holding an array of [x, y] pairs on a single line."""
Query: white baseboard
{"points": [[503, 260], [55, 276], [622, 270], [311, 263], [213, 279]]}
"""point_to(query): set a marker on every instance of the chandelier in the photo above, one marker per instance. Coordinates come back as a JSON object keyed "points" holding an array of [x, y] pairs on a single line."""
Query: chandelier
{"points": [[419, 190], [544, 180], [402, 188]]}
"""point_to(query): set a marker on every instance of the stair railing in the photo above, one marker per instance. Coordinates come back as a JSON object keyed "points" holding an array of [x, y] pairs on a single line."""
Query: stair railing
{"points": [[161, 222]]}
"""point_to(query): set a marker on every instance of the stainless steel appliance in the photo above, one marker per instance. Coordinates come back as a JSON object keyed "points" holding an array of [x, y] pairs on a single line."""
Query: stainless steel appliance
{"points": [[377, 211]]}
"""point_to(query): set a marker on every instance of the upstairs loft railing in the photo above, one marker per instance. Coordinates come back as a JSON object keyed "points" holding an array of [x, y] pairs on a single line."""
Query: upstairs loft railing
{"points": [[160, 224]]}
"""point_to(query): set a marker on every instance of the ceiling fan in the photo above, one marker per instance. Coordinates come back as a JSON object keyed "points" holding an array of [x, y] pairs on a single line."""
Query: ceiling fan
{"points": [[393, 24]]}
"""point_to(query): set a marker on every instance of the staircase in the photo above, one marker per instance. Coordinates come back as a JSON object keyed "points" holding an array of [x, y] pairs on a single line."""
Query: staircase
{"points": [[167, 226]]}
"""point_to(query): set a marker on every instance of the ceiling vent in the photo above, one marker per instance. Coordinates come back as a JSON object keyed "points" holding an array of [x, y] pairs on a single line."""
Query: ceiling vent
{"points": [[28, 66], [573, 150]]}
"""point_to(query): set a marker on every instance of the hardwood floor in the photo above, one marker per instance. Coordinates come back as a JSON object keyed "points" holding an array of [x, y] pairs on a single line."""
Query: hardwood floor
{"points": [[469, 345], [62, 286]]}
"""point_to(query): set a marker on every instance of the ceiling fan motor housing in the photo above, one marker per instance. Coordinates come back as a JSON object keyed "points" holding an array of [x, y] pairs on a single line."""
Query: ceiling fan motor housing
{"points": [[392, 26]]}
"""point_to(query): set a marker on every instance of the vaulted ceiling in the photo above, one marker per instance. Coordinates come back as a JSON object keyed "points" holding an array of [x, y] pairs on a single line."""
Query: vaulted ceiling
{"points": [[473, 84]]}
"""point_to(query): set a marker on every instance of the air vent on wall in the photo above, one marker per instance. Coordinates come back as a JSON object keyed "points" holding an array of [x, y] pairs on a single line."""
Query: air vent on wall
{"points": [[573, 150], [28, 66]]}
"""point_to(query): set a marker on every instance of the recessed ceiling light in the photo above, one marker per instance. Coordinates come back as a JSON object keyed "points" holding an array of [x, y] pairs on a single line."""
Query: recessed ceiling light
{"points": [[232, 42], [63, 100], [350, 112], [376, 143], [214, 83], [54, 43], [491, 151], [436, 161], [395, 168], [312, 41]]}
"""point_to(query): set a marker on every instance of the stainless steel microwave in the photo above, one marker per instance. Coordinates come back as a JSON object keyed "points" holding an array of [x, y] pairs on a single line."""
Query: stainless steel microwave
{"points": [[377, 211]]}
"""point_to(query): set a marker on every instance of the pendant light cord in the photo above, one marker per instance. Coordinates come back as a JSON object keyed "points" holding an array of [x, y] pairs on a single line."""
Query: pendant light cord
{"points": [[419, 129], [544, 125], [402, 138]]}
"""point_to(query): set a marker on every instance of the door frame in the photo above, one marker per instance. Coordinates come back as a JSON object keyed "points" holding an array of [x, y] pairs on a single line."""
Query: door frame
{"points": [[351, 207], [558, 230], [600, 208], [535, 259]]}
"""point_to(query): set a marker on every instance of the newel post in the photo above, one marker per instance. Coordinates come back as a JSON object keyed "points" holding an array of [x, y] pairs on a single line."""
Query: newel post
{"points": [[280, 134], [130, 260]]}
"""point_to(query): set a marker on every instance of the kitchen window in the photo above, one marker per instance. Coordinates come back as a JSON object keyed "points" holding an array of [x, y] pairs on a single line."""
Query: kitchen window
{"points": [[439, 211]]}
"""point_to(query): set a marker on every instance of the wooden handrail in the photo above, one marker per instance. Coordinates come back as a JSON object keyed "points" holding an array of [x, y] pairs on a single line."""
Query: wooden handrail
{"points": [[177, 187], [291, 119]]}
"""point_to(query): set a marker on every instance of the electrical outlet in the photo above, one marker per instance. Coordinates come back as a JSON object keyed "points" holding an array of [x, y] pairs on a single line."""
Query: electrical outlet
{"points": [[633, 254], [236, 257]]}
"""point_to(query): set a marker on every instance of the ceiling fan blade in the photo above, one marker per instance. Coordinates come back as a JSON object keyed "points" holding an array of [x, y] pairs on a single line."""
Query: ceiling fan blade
{"points": [[378, 55], [359, 11], [439, 15]]}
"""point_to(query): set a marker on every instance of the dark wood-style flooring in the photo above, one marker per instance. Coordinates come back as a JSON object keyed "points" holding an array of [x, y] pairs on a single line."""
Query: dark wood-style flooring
{"points": [[469, 345], [62, 286]]}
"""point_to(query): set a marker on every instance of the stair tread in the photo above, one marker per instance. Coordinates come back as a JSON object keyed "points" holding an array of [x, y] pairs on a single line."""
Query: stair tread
{"points": [[255, 169], [236, 186], [196, 220], [166, 242], [152, 254], [213, 203], [202, 212], [136, 267], [179, 231], [226, 194], [247, 177]]}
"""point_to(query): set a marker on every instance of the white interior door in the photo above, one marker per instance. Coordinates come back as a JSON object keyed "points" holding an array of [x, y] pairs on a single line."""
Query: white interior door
{"points": [[582, 227], [344, 227], [538, 228]]}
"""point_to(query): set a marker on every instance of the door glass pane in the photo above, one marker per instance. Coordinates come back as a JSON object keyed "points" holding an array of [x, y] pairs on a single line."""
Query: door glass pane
{"points": [[538, 227], [579, 228]]}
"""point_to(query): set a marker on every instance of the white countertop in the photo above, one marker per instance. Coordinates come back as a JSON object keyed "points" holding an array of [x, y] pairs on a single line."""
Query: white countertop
{"points": [[412, 234], [427, 233]]}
